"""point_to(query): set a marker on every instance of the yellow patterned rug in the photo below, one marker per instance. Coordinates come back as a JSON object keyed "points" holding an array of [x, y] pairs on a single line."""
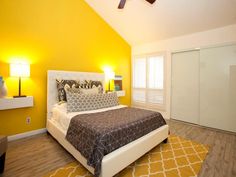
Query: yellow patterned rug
{"points": [[177, 158]]}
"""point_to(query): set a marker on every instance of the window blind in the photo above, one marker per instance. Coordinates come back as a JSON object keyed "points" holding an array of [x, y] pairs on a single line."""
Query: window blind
{"points": [[148, 81]]}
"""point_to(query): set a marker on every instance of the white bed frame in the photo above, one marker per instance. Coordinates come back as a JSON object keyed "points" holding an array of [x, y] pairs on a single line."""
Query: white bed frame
{"points": [[115, 161]]}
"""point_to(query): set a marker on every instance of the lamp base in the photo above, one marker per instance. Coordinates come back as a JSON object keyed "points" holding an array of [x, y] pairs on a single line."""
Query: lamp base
{"points": [[19, 96]]}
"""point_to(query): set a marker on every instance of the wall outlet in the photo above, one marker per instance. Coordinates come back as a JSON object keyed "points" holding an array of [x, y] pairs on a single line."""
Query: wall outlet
{"points": [[28, 120]]}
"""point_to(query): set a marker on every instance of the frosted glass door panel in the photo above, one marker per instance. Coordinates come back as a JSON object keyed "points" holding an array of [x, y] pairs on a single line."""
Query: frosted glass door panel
{"points": [[185, 86], [218, 87]]}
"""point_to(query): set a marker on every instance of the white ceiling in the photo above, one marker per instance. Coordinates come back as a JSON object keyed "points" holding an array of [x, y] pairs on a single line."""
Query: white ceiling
{"points": [[139, 22]]}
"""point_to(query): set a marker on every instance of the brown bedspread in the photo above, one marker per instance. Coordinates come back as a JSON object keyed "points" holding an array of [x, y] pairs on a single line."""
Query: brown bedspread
{"points": [[97, 134]]}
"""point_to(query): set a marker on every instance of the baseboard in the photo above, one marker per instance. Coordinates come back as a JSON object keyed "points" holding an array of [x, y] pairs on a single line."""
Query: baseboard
{"points": [[26, 134], [202, 126]]}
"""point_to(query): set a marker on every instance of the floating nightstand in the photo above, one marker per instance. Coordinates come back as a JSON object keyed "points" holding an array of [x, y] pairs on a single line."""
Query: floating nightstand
{"points": [[120, 93], [13, 103]]}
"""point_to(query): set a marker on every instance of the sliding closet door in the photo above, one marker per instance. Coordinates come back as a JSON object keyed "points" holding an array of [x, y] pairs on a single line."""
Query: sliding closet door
{"points": [[218, 87], [185, 86]]}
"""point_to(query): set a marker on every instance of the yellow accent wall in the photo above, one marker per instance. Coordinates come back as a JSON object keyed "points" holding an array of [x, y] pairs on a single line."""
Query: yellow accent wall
{"points": [[54, 35]]}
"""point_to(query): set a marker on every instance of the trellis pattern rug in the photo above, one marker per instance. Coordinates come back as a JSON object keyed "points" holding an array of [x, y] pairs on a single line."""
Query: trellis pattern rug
{"points": [[177, 158]]}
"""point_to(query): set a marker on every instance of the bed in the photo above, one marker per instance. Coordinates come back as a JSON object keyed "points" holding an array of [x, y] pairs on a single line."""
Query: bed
{"points": [[58, 122]]}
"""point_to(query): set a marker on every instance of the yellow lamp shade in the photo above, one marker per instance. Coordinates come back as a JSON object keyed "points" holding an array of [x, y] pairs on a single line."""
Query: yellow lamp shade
{"points": [[19, 70]]}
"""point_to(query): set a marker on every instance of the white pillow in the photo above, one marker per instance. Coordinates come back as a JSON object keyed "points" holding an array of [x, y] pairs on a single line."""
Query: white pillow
{"points": [[94, 90]]}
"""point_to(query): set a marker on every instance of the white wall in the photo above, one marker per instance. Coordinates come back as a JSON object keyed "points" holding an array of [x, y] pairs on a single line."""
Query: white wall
{"points": [[219, 36]]}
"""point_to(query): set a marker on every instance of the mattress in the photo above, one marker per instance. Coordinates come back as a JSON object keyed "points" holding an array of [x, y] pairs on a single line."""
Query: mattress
{"points": [[62, 118], [96, 135]]}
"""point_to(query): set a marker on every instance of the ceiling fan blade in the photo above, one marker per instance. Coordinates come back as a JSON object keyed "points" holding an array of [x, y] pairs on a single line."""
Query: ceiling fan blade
{"points": [[151, 1], [122, 4]]}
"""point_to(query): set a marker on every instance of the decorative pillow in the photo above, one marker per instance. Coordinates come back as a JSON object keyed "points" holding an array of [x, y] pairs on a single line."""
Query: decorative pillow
{"points": [[97, 84], [74, 90], [89, 84], [94, 90], [85, 84], [85, 102], [62, 86]]}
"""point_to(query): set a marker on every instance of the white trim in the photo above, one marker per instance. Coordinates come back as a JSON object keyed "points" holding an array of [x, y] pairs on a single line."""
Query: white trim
{"points": [[26, 134], [203, 47]]}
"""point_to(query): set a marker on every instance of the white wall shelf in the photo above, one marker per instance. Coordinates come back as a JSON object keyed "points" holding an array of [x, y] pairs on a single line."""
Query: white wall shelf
{"points": [[120, 93], [13, 103]]}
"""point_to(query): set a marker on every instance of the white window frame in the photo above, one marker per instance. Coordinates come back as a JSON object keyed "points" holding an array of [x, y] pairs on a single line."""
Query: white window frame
{"points": [[146, 105]]}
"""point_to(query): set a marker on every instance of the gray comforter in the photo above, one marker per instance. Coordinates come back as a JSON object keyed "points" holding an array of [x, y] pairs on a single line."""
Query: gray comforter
{"points": [[97, 134]]}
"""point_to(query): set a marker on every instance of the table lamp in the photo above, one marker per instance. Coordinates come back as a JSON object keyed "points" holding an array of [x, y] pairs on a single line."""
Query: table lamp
{"points": [[109, 74], [19, 70]]}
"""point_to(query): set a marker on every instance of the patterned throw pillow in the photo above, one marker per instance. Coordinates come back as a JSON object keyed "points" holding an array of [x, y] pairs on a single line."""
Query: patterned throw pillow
{"points": [[62, 86], [97, 84], [85, 102]]}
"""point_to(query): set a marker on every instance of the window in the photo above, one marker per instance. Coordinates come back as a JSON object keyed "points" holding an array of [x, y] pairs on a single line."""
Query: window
{"points": [[148, 81], [139, 69]]}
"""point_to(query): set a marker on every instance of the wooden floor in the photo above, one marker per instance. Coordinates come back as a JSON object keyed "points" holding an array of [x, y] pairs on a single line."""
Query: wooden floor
{"points": [[221, 160], [36, 156]]}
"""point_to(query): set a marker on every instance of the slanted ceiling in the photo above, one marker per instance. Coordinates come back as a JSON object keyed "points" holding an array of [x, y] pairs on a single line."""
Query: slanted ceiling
{"points": [[139, 22]]}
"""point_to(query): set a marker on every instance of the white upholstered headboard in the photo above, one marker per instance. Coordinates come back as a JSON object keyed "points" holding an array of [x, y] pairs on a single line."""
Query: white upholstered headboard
{"points": [[52, 95]]}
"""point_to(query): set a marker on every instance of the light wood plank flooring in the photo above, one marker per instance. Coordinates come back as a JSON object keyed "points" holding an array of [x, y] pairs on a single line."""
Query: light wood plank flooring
{"points": [[37, 155]]}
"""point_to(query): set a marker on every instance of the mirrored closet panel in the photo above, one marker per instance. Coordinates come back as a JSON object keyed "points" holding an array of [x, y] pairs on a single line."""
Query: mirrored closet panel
{"points": [[218, 87], [204, 91]]}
